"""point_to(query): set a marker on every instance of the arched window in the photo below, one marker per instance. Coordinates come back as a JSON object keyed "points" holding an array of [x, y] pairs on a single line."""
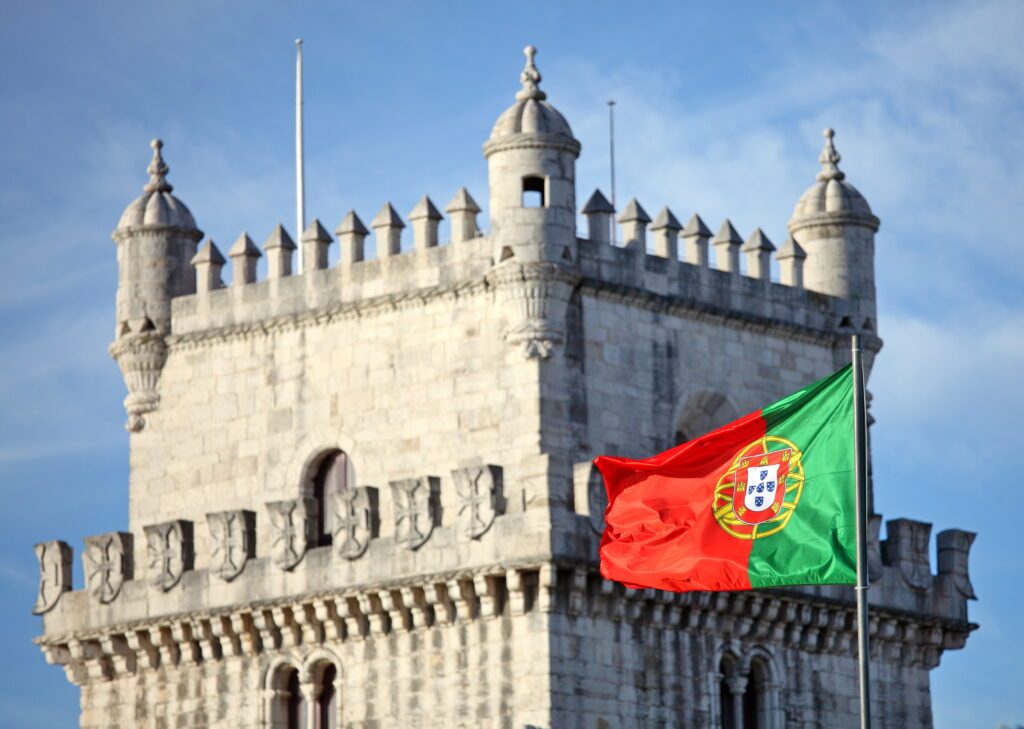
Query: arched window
{"points": [[747, 697], [331, 477], [533, 192], [286, 708], [755, 696], [327, 699], [727, 685]]}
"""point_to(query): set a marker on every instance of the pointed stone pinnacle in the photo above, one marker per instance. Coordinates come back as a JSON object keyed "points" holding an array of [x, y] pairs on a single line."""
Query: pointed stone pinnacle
{"points": [[279, 238], [829, 158], [597, 203], [352, 224], [244, 247], [727, 235], [157, 170], [634, 211], [316, 232], [757, 241], [665, 219], [209, 253], [425, 209], [695, 228], [462, 201], [530, 78], [387, 218]]}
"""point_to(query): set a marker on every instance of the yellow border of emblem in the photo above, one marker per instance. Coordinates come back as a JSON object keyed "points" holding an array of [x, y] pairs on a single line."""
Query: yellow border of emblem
{"points": [[721, 506]]}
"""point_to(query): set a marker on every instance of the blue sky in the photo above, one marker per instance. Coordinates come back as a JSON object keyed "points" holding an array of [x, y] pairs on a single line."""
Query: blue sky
{"points": [[720, 110]]}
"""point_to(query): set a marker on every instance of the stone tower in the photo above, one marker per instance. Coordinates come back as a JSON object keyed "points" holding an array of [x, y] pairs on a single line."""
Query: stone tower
{"points": [[363, 496]]}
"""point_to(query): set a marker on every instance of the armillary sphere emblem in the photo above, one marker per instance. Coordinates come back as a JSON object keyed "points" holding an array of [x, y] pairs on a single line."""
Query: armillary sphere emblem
{"points": [[757, 496]]}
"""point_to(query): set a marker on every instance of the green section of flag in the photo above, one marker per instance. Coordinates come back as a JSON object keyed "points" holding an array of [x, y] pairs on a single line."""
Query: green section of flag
{"points": [[818, 544]]}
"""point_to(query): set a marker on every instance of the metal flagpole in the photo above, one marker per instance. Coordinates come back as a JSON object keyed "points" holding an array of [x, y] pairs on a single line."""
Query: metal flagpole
{"points": [[611, 149], [300, 173], [860, 477]]}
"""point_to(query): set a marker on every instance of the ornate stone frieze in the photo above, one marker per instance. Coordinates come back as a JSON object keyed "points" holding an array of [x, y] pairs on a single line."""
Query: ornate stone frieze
{"points": [[108, 562], [417, 509], [291, 528], [170, 551], [480, 498], [234, 541], [54, 574], [538, 293], [589, 496], [356, 520], [141, 357]]}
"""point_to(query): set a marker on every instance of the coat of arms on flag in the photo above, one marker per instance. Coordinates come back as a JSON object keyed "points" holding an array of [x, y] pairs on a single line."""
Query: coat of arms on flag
{"points": [[757, 495]]}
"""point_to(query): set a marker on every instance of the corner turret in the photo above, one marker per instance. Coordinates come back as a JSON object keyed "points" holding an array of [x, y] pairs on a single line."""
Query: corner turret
{"points": [[531, 160], [156, 240], [834, 224]]}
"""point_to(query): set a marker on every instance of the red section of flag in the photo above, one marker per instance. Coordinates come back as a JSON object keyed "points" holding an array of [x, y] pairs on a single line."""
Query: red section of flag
{"points": [[660, 527]]}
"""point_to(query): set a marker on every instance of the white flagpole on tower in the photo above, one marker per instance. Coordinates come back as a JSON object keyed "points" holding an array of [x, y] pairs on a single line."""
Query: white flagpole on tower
{"points": [[860, 477], [300, 173]]}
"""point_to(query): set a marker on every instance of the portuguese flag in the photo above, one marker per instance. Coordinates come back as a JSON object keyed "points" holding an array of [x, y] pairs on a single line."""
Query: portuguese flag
{"points": [[766, 500]]}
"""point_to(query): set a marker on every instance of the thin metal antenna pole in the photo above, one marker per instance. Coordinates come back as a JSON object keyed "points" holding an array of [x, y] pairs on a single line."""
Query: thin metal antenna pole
{"points": [[300, 172], [611, 150], [860, 477]]}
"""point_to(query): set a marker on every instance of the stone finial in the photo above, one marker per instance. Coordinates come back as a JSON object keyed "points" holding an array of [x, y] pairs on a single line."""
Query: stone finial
{"points": [[695, 239], [791, 263], [666, 234], [530, 78], [599, 214], [208, 263], [244, 254], [462, 212], [425, 218], [830, 158], [54, 574], [634, 220], [278, 248], [387, 229], [157, 170], [727, 244], [315, 242], [351, 236], [759, 255]]}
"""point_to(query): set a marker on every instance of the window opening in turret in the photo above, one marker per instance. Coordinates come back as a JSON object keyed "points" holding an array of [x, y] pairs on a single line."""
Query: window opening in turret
{"points": [[332, 477], [533, 192]]}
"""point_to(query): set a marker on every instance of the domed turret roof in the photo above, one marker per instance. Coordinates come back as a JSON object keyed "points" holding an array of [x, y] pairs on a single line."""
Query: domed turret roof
{"points": [[156, 205], [831, 193], [530, 114]]}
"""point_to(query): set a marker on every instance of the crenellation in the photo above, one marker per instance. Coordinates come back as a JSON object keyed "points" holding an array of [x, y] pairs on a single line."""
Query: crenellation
{"points": [[791, 263], [727, 244], [758, 250], [666, 231], [634, 220], [315, 242], [387, 230], [208, 263], [425, 218], [278, 248], [695, 237]]}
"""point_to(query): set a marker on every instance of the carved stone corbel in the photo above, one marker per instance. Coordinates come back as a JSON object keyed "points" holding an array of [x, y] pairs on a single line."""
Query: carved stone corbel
{"points": [[141, 356], [537, 294], [55, 565]]}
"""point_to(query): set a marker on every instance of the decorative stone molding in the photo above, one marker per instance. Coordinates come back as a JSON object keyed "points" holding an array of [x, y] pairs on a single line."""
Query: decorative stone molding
{"points": [[589, 496], [417, 507], [291, 526], [480, 498], [539, 293], [141, 357], [171, 552], [234, 541], [54, 574], [356, 520], [108, 562]]}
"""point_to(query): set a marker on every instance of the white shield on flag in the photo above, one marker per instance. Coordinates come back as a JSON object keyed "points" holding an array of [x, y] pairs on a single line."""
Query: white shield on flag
{"points": [[762, 487]]}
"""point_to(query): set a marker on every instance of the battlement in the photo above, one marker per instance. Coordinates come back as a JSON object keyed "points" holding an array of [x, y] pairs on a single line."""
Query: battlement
{"points": [[657, 279]]}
